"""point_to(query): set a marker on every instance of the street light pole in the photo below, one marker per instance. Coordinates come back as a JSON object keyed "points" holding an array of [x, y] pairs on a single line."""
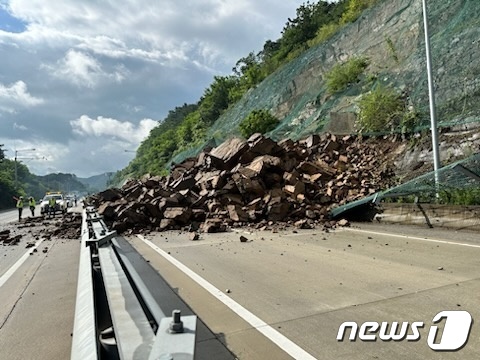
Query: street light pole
{"points": [[431, 94], [16, 171], [16, 176]]}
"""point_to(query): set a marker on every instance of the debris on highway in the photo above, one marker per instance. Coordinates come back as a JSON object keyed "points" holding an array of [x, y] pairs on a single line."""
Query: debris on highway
{"points": [[256, 182], [30, 229]]}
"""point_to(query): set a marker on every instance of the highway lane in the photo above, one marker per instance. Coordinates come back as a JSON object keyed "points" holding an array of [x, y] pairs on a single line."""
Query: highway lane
{"points": [[287, 295], [10, 254], [37, 293], [305, 284], [9, 216], [9, 220]]}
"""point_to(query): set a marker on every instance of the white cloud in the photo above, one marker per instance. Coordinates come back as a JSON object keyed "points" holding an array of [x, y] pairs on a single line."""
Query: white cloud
{"points": [[117, 49], [106, 127], [19, 127], [35, 153], [84, 70], [15, 96], [133, 59], [158, 31]]}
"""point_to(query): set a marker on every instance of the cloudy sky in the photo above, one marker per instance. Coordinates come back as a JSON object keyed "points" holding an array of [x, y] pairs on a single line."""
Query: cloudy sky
{"points": [[81, 81]]}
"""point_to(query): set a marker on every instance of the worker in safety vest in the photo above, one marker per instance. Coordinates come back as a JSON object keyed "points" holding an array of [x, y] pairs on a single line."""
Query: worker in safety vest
{"points": [[32, 204], [19, 206], [51, 207]]}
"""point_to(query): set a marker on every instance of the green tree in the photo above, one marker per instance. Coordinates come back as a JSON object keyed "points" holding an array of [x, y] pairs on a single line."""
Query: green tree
{"points": [[304, 27], [343, 75], [249, 71], [258, 121], [355, 9], [155, 151], [7, 184], [215, 99], [174, 118], [191, 131], [380, 110]]}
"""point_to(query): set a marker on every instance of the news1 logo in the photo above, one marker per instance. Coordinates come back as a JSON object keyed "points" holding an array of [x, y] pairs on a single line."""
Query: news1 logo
{"points": [[454, 336]]}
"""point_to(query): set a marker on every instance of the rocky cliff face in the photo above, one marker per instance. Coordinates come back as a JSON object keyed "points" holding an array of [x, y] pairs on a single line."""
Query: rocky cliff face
{"points": [[391, 36]]}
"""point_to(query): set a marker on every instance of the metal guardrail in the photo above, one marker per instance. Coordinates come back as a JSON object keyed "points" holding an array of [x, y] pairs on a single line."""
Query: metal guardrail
{"points": [[116, 317]]}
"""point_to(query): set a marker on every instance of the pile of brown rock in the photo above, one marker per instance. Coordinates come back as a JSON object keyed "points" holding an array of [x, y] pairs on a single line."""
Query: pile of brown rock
{"points": [[7, 238], [68, 228], [255, 181]]}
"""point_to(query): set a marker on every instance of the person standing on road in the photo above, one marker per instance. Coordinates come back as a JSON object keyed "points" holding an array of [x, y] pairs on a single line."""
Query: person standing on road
{"points": [[32, 204], [51, 207], [19, 206]]}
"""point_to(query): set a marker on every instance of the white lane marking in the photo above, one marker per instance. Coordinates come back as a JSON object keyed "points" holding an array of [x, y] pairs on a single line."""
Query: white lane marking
{"points": [[280, 340], [4, 278], [413, 238]]}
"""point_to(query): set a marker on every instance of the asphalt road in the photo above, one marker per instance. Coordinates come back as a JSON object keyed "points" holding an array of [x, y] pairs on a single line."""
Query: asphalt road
{"points": [[38, 291], [9, 216], [37, 295], [285, 295], [277, 296]]}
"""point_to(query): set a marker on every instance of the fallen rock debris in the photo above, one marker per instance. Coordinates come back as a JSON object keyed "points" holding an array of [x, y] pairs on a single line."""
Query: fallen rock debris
{"points": [[36, 228], [257, 181], [194, 236]]}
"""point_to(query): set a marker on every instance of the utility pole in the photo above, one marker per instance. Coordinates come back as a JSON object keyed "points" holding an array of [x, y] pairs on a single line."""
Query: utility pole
{"points": [[16, 171], [431, 94], [2, 155]]}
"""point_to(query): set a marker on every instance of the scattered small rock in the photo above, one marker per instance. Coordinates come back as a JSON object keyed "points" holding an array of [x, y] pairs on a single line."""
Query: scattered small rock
{"points": [[343, 223], [193, 236]]}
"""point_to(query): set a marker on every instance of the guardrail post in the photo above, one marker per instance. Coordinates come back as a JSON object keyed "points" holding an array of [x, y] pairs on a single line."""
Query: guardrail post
{"points": [[107, 279]]}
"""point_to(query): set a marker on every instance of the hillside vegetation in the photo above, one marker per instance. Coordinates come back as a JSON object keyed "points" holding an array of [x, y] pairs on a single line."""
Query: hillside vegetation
{"points": [[347, 67], [187, 126]]}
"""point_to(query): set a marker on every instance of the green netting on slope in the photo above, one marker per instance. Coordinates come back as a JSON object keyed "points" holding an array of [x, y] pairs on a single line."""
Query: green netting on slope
{"points": [[461, 178], [391, 36], [461, 175]]}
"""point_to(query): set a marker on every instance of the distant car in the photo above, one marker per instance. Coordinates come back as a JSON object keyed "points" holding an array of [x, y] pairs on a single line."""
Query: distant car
{"points": [[70, 200], [60, 203]]}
